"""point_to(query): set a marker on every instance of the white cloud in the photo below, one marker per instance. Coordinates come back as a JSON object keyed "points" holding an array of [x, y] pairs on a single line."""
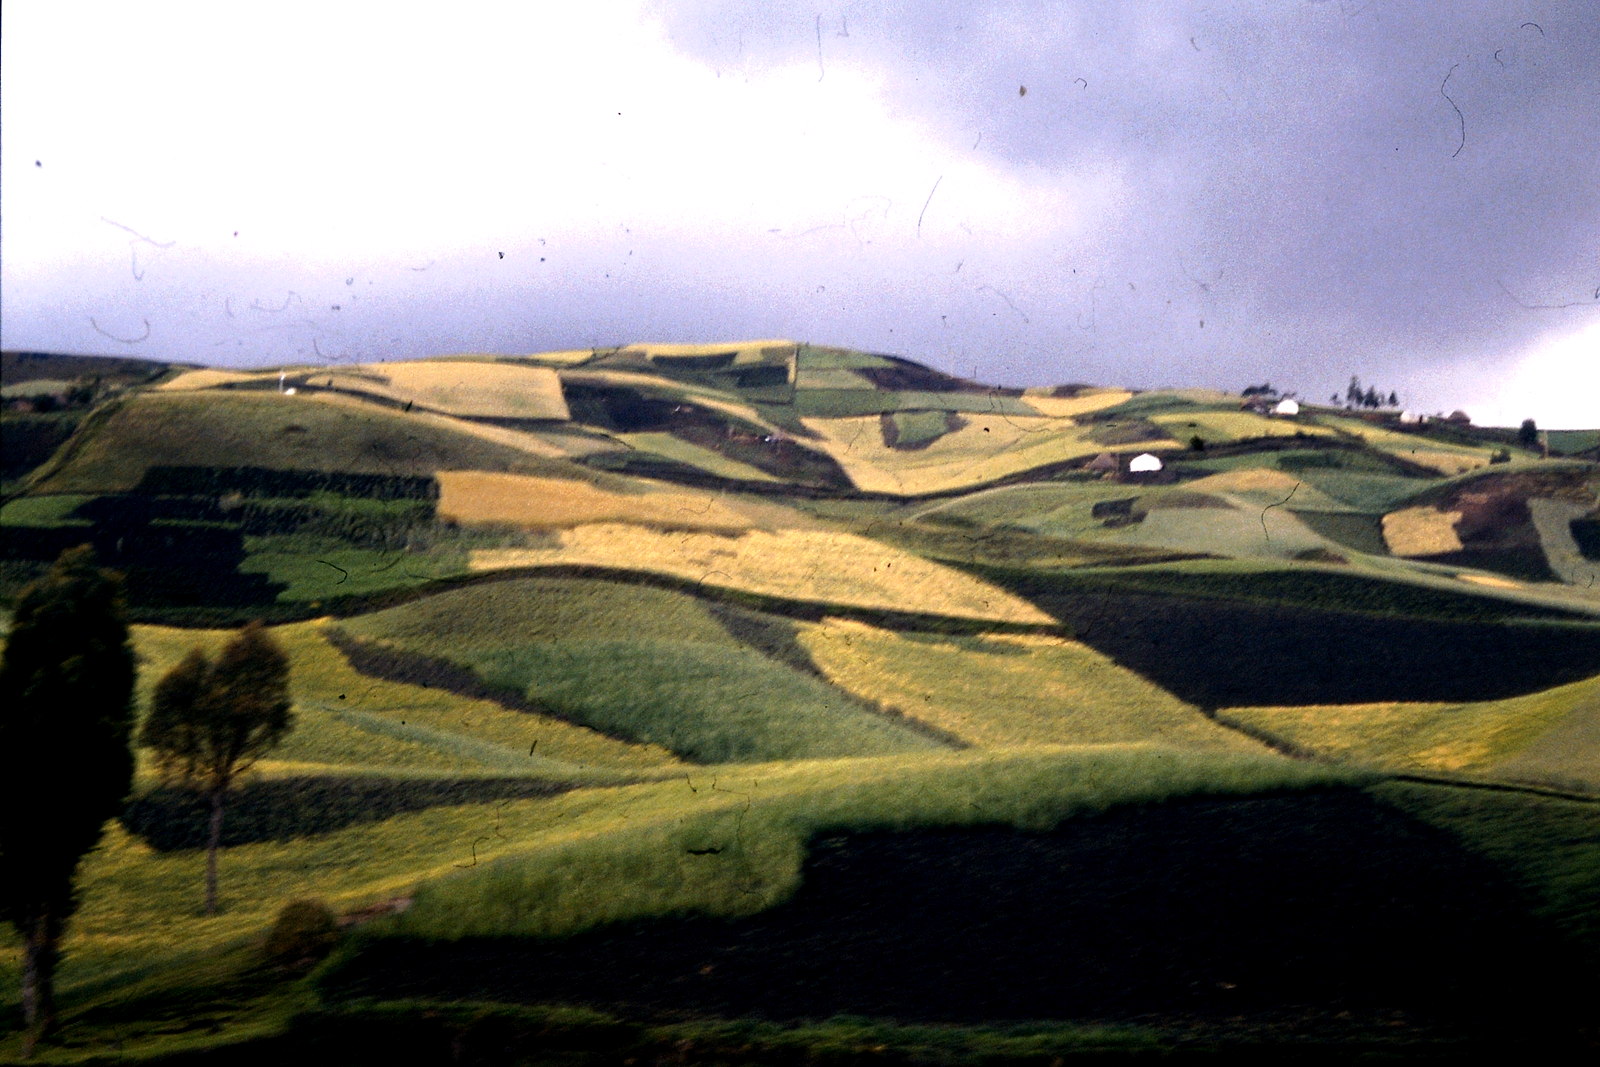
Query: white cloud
{"points": [[1557, 384]]}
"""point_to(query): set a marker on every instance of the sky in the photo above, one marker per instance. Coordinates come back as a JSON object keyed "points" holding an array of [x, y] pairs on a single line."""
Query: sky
{"points": [[1027, 192]]}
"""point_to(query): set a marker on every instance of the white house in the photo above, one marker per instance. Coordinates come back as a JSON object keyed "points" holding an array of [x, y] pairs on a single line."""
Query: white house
{"points": [[1143, 463], [1287, 406]]}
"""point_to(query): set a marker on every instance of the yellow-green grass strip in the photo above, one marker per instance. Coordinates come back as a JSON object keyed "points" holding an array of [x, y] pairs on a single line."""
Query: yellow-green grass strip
{"points": [[1477, 737], [1004, 690], [269, 429], [1225, 426]]}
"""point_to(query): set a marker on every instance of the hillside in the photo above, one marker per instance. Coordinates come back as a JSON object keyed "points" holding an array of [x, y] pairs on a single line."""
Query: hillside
{"points": [[757, 700]]}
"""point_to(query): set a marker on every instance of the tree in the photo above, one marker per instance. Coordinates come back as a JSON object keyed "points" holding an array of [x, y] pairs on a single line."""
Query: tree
{"points": [[1528, 434], [1394, 399], [210, 722], [66, 720]]}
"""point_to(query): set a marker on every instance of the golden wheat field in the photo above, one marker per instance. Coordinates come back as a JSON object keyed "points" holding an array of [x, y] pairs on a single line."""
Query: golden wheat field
{"points": [[986, 448], [461, 388], [1423, 531], [822, 566], [210, 378], [484, 497], [1065, 407]]}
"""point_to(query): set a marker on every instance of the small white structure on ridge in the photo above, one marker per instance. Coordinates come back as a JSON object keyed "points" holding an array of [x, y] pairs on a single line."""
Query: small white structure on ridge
{"points": [[1287, 406], [1143, 462]]}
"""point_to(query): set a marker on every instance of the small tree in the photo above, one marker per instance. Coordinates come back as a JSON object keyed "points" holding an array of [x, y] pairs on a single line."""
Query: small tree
{"points": [[66, 719], [210, 722], [1528, 434]]}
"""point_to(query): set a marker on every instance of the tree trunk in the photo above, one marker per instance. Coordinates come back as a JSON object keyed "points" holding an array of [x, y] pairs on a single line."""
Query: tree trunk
{"points": [[41, 937], [213, 842]]}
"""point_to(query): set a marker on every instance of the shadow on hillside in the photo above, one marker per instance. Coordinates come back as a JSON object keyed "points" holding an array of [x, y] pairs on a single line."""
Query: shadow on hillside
{"points": [[1219, 653], [1295, 907], [283, 809]]}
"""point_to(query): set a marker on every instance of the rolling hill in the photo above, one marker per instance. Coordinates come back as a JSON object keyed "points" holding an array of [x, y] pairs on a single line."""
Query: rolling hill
{"points": [[769, 701]]}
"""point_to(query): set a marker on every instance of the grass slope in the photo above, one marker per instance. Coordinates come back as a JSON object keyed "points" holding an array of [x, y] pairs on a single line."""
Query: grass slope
{"points": [[1551, 736], [1004, 690], [267, 430]]}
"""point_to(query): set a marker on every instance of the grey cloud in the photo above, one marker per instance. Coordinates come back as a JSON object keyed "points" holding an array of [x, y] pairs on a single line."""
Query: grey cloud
{"points": [[1371, 183]]}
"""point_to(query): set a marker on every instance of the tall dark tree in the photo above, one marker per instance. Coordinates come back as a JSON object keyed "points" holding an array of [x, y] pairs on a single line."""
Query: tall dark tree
{"points": [[1528, 434], [210, 722], [1394, 399], [66, 721]]}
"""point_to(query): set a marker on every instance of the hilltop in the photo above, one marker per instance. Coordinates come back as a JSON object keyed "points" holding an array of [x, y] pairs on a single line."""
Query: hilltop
{"points": [[650, 688]]}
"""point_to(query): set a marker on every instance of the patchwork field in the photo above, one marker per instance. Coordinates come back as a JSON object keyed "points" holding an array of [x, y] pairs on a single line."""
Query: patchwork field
{"points": [[766, 702]]}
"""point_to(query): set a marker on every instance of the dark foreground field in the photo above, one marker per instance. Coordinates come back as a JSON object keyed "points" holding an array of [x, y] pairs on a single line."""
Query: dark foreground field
{"points": [[1325, 920]]}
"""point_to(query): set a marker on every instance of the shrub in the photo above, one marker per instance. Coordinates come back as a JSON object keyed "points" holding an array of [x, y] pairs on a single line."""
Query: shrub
{"points": [[305, 932]]}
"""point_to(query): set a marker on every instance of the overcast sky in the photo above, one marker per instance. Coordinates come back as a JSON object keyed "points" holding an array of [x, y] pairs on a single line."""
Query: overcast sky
{"points": [[1026, 192]]}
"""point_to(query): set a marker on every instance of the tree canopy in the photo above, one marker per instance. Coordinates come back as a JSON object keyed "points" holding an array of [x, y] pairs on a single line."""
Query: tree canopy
{"points": [[66, 719], [210, 722]]}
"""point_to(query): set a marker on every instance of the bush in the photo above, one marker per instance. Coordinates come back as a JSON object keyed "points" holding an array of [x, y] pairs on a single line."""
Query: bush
{"points": [[305, 932]]}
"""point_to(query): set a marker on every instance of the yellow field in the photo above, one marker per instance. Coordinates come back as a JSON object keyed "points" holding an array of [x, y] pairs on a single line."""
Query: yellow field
{"points": [[1234, 425], [1421, 531], [1008, 690], [567, 357], [814, 565], [209, 378], [747, 353], [988, 447], [1064, 407], [461, 388], [1492, 581], [471, 497], [1438, 737], [1449, 463]]}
